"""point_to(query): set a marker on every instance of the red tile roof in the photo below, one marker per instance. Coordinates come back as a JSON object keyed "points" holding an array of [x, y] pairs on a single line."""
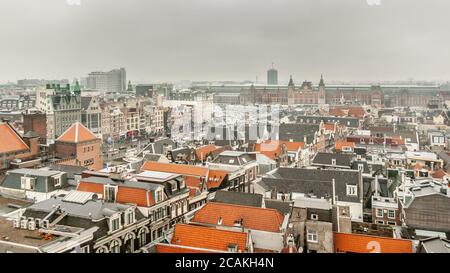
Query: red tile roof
{"points": [[77, 133], [165, 248], [202, 152], [192, 181], [175, 168], [360, 243], [215, 178], [439, 173], [341, 143], [125, 195], [273, 148], [10, 141], [208, 237], [253, 218], [128, 195], [90, 187]]}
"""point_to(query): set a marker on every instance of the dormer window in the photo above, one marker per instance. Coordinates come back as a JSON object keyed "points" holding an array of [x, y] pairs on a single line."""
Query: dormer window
{"points": [[173, 185], [232, 248], [27, 183], [57, 181], [129, 216], [114, 223], [158, 195], [110, 193], [360, 167], [352, 190]]}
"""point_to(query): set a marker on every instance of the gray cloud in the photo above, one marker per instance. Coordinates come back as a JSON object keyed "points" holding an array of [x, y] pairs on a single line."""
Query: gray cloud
{"points": [[159, 40]]}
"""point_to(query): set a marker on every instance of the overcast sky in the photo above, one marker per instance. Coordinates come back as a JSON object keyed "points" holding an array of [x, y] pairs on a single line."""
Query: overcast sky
{"points": [[169, 40]]}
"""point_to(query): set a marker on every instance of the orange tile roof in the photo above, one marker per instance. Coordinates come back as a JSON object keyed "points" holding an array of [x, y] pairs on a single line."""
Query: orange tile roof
{"points": [[215, 178], [253, 218], [175, 168], [272, 148], [77, 133], [165, 248], [439, 173], [337, 112], [202, 152], [192, 181], [330, 126], [341, 143], [90, 187], [208, 237], [356, 111], [10, 141], [127, 195], [361, 243]]}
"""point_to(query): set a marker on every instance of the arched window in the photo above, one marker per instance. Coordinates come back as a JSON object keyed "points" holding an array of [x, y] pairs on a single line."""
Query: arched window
{"points": [[102, 249], [114, 247], [142, 237]]}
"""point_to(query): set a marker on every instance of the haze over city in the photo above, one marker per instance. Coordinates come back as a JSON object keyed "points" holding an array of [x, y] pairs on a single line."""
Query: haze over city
{"points": [[211, 40]]}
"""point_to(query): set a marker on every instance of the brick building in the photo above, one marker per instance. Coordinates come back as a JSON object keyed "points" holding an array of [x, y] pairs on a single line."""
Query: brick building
{"points": [[81, 146]]}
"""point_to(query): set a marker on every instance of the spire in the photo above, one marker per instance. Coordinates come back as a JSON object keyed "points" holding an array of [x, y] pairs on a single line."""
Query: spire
{"points": [[130, 87], [76, 89], [291, 82], [321, 81]]}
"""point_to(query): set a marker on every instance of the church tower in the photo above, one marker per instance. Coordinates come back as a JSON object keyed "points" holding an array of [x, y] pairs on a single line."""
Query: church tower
{"points": [[291, 94], [321, 95]]}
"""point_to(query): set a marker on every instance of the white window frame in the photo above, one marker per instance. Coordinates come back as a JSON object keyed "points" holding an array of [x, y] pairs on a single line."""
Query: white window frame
{"points": [[312, 236], [377, 211], [158, 195], [352, 190], [106, 197], [380, 222], [128, 213], [57, 180], [314, 216], [389, 211], [27, 183], [111, 221]]}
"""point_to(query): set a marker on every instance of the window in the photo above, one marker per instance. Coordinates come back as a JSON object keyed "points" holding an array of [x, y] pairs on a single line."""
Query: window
{"points": [[129, 217], [110, 193], [27, 183], [158, 196], [142, 238], [380, 222], [57, 181], [379, 212], [333, 161], [85, 249], [173, 185], [360, 167], [391, 223], [114, 247], [311, 236], [391, 214], [314, 216], [114, 223], [352, 190]]}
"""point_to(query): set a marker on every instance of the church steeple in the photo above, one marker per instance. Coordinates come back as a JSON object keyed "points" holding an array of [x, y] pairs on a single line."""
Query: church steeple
{"points": [[130, 87], [291, 82], [76, 89], [322, 83]]}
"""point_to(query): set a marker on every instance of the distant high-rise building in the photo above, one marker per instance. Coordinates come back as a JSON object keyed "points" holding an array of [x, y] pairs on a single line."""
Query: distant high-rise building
{"points": [[272, 76], [108, 82]]}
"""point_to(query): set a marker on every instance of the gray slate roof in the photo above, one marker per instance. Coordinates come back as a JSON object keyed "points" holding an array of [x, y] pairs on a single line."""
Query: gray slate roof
{"points": [[317, 182], [239, 198]]}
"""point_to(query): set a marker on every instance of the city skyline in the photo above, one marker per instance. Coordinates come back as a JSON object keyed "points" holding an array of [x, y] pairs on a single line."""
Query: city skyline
{"points": [[352, 40]]}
